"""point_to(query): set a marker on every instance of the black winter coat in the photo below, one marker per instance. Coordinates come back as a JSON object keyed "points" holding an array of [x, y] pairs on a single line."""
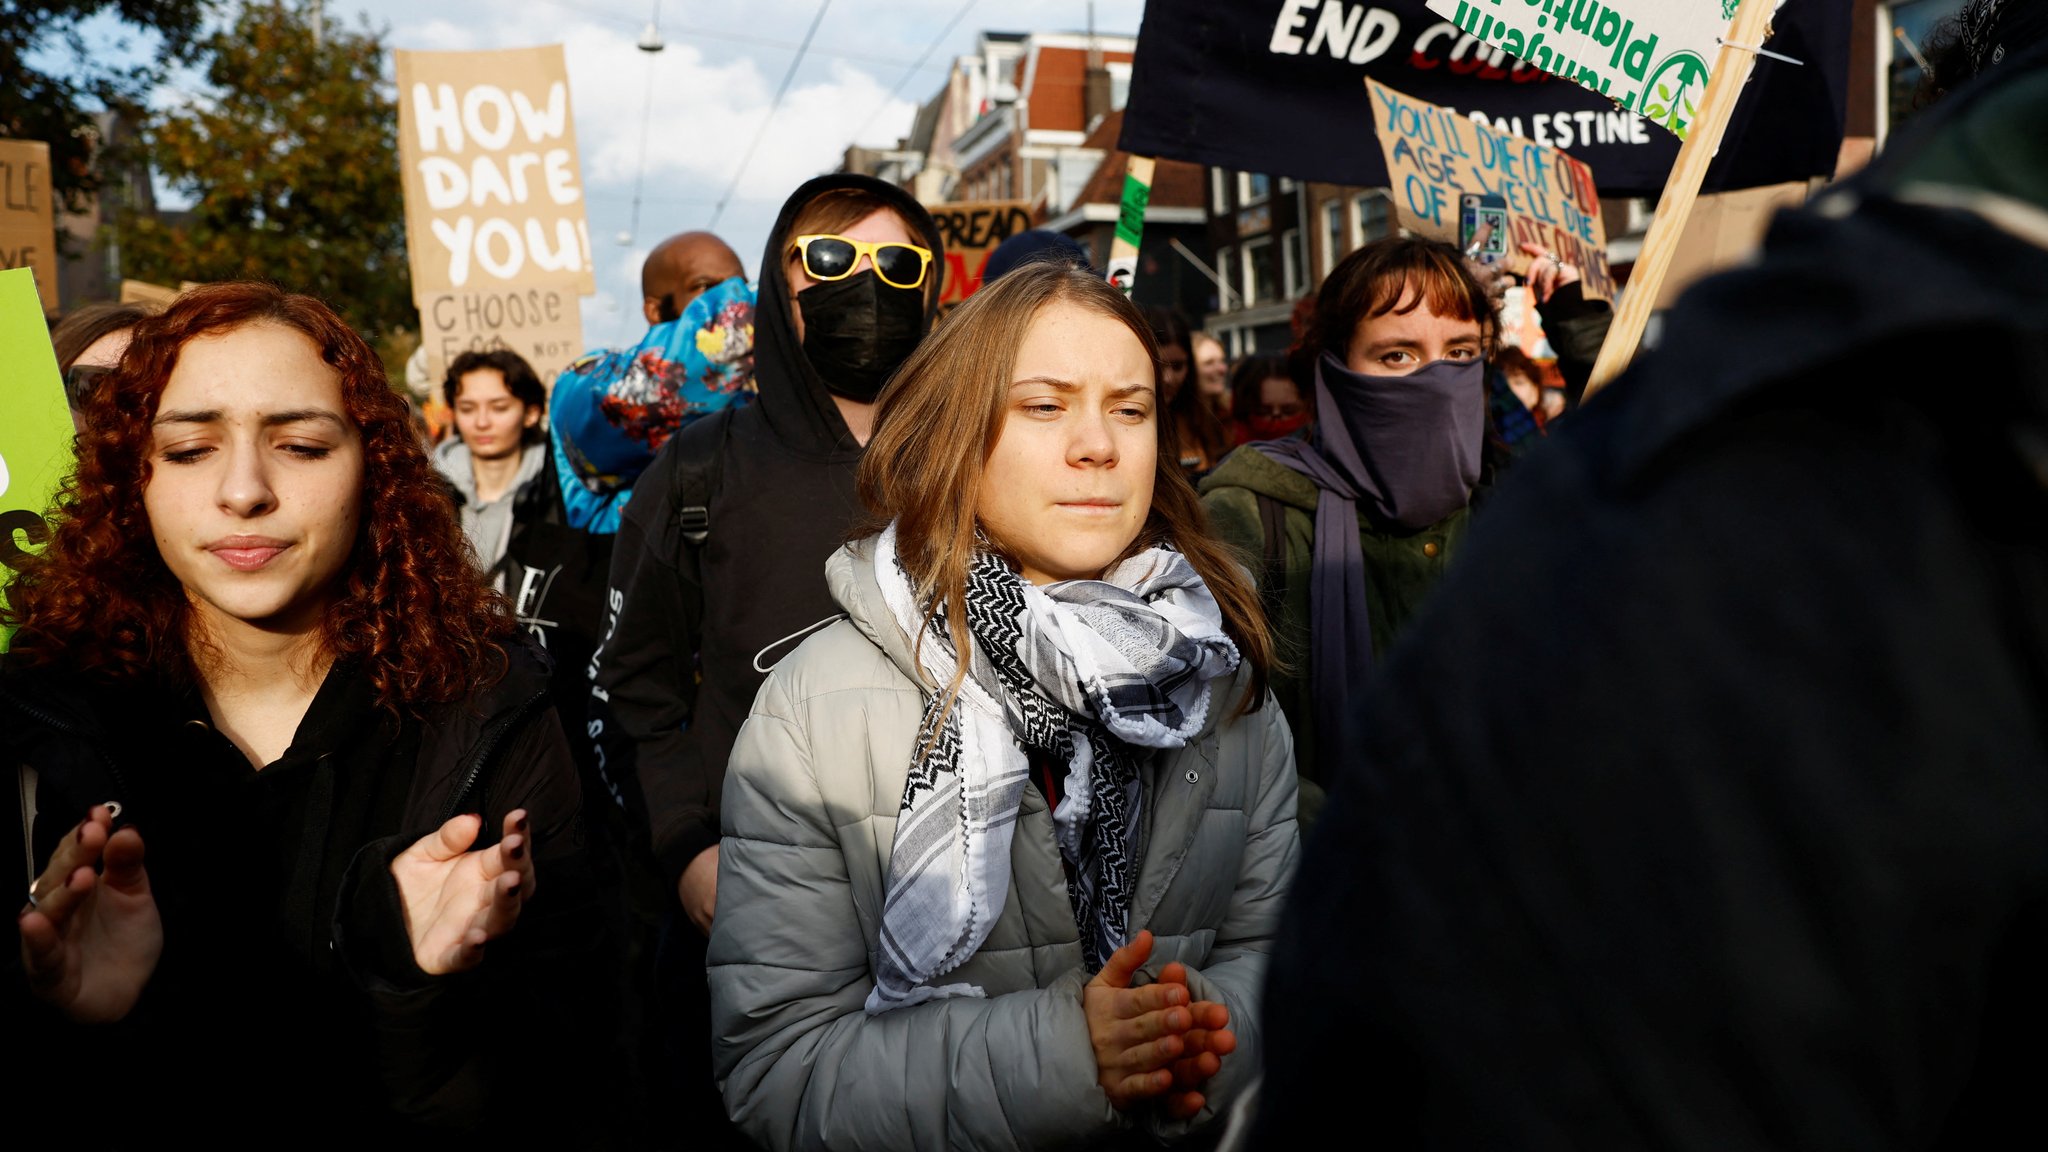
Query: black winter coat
{"points": [[695, 625], [1706, 805], [301, 941]]}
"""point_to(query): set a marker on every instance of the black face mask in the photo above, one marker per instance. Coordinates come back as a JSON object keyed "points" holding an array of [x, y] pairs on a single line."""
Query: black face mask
{"points": [[858, 331]]}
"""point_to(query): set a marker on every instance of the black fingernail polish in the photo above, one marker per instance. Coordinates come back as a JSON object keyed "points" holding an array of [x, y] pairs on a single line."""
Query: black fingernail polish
{"points": [[519, 853]]}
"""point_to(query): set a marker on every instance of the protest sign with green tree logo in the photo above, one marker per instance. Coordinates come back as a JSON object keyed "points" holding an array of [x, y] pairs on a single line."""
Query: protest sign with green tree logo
{"points": [[1652, 57]]}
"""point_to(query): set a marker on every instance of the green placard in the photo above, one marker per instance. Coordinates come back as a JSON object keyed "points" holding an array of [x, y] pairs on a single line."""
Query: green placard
{"points": [[35, 423], [1130, 221]]}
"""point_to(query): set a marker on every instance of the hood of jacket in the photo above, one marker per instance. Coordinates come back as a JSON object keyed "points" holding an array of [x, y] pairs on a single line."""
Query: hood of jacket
{"points": [[850, 573], [792, 395], [1257, 472], [452, 457]]}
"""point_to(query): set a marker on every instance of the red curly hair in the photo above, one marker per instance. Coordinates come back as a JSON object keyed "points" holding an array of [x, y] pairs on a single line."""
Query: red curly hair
{"points": [[100, 601]]}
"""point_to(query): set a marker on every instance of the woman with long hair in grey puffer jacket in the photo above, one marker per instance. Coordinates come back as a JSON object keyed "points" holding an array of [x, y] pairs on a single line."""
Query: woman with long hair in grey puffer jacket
{"points": [[1004, 849]]}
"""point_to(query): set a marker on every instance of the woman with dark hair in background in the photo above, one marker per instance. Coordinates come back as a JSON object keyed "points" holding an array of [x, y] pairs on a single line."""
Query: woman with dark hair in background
{"points": [[295, 779], [497, 459], [89, 342], [1266, 402], [1359, 520], [1195, 429], [1002, 848], [1212, 371]]}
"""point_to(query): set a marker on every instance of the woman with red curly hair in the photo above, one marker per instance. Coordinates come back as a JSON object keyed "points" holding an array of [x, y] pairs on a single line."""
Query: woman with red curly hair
{"points": [[296, 778]]}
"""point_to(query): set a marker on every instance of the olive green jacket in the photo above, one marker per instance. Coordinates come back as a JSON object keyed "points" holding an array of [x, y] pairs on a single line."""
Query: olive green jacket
{"points": [[1400, 570]]}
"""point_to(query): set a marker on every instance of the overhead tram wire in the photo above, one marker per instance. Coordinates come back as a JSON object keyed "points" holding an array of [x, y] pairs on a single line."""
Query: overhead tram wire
{"points": [[697, 32], [650, 43], [915, 67], [788, 78]]}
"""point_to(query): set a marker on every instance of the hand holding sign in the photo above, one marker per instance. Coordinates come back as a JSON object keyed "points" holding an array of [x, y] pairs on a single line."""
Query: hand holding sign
{"points": [[1436, 157]]}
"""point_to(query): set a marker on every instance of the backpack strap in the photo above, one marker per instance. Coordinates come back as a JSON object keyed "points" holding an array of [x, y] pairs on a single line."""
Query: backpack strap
{"points": [[697, 482], [1273, 530]]}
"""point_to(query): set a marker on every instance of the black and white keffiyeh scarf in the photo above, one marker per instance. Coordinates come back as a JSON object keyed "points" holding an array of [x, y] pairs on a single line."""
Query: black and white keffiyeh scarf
{"points": [[1088, 672]]}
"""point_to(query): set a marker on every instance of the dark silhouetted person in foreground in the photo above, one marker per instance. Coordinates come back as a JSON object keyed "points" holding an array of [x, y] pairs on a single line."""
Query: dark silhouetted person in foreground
{"points": [[1770, 867]]}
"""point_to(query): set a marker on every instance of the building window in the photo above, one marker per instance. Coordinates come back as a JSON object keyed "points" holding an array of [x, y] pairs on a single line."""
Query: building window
{"points": [[1371, 222], [1219, 201], [1223, 271], [1336, 234], [1914, 20], [1259, 285], [1253, 188], [1291, 263], [1286, 184], [1119, 86]]}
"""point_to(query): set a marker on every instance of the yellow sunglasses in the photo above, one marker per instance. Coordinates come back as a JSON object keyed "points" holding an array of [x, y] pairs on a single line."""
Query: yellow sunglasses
{"points": [[827, 257]]}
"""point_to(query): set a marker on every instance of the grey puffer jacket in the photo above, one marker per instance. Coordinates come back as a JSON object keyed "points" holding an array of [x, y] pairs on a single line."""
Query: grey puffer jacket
{"points": [[811, 797]]}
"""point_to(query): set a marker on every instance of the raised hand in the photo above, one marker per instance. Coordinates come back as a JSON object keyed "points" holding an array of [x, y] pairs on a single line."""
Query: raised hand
{"points": [[455, 901], [1548, 273], [1137, 1032], [91, 936], [1208, 1042]]}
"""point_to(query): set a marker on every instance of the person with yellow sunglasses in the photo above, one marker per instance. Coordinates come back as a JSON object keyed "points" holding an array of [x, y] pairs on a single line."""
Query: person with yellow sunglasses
{"points": [[718, 569]]}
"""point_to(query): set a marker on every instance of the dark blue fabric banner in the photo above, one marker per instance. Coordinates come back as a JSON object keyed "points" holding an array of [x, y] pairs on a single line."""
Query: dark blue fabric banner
{"points": [[1278, 86]]}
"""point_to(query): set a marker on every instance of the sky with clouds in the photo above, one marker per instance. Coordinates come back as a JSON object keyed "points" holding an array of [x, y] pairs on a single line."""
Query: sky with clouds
{"points": [[712, 87]]}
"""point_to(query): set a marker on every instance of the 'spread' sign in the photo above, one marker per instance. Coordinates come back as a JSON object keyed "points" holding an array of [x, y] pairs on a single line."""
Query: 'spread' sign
{"points": [[28, 220], [1434, 156], [543, 325], [494, 212], [35, 424], [1653, 57], [970, 231]]}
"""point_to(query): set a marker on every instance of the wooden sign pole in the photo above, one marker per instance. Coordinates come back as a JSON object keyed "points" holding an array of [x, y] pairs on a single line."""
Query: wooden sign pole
{"points": [[1130, 223], [1731, 71]]}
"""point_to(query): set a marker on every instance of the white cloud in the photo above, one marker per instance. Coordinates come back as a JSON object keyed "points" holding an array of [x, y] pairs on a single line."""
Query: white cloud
{"points": [[711, 96]]}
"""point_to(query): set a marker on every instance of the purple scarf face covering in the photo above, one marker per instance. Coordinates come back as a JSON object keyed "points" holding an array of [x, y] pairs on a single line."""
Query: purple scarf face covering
{"points": [[1408, 447], [1409, 444]]}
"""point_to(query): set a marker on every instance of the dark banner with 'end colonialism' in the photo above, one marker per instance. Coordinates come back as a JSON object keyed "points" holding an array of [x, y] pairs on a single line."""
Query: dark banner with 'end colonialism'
{"points": [[1277, 86]]}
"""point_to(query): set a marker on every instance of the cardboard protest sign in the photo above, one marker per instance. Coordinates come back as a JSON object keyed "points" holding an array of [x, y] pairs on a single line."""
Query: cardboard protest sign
{"points": [[543, 325], [28, 217], [144, 292], [1273, 86], [35, 423], [1653, 57], [494, 213], [1434, 156], [970, 231], [493, 191]]}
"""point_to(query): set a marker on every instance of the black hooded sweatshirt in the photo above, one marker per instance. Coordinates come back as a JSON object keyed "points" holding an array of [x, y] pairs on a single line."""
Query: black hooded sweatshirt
{"points": [[784, 499]]}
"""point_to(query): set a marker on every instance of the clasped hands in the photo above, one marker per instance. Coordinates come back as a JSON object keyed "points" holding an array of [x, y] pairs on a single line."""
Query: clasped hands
{"points": [[1157, 1040], [91, 936]]}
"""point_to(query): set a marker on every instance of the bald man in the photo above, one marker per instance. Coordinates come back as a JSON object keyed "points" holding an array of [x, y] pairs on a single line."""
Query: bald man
{"points": [[682, 268]]}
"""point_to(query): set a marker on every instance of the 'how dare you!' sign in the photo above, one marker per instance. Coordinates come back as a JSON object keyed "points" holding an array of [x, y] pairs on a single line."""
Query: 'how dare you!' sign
{"points": [[494, 210]]}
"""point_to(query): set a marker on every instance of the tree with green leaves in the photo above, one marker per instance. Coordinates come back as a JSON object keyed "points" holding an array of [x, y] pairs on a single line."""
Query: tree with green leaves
{"points": [[292, 156], [57, 105]]}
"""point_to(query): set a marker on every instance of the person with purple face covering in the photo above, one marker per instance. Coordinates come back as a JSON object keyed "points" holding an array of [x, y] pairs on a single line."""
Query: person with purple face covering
{"points": [[1351, 527]]}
